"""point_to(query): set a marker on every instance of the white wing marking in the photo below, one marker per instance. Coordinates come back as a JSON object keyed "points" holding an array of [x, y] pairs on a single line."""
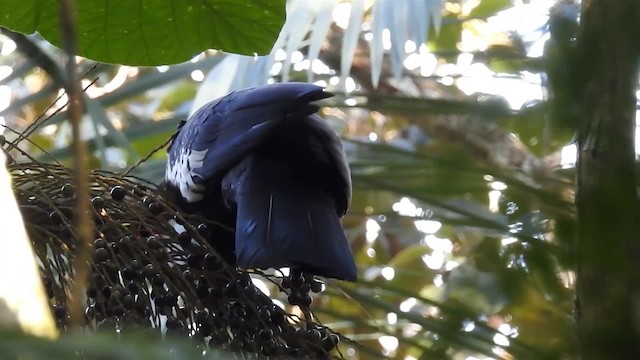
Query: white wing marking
{"points": [[181, 174]]}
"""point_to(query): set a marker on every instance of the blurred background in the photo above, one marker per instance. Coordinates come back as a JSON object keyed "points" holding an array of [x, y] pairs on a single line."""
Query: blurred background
{"points": [[462, 216]]}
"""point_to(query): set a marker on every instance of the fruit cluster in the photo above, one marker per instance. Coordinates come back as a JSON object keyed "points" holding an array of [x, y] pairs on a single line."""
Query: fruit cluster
{"points": [[154, 267]]}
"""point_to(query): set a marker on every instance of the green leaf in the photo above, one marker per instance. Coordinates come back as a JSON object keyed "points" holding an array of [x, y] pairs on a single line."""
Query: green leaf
{"points": [[154, 33], [448, 36], [137, 344], [488, 8]]}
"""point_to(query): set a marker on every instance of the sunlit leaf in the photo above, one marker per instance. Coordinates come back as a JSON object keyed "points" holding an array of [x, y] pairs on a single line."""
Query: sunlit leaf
{"points": [[487, 8], [141, 33], [351, 35]]}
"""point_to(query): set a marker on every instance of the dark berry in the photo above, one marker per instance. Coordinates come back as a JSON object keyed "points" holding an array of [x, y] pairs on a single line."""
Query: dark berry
{"points": [[188, 275], [97, 280], [277, 330], [149, 271], [118, 193], [171, 299], [60, 312], [155, 208], [117, 311], [202, 291], [277, 317], [211, 262], [203, 230], [286, 283], [333, 339], [184, 239], [297, 281], [124, 242], [236, 344], [205, 329], [172, 323], [251, 291], [146, 201], [158, 280], [55, 218], [244, 281], [141, 305], [92, 292], [128, 273], [231, 290], [128, 301], [106, 291], [154, 243], [304, 288], [293, 298], [67, 190], [296, 298], [3, 140], [264, 313], [101, 255], [236, 322], [97, 202], [218, 291], [133, 287], [238, 310], [66, 212], [115, 297], [314, 335], [265, 334], [99, 243], [194, 260], [115, 248], [160, 301], [112, 271], [161, 255], [200, 316], [305, 300]]}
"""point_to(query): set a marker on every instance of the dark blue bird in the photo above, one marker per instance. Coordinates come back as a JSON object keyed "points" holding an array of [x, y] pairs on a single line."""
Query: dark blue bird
{"points": [[261, 161]]}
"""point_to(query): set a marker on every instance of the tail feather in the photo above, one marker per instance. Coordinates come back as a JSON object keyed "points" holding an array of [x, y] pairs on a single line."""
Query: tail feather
{"points": [[284, 223]]}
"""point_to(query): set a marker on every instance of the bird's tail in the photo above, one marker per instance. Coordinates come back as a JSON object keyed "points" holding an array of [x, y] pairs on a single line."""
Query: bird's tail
{"points": [[284, 223]]}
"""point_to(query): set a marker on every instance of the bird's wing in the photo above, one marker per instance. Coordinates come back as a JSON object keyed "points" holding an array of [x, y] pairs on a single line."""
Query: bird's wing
{"points": [[328, 148], [223, 131]]}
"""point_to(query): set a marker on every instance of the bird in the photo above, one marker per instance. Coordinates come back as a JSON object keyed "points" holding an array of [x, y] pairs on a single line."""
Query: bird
{"points": [[262, 162]]}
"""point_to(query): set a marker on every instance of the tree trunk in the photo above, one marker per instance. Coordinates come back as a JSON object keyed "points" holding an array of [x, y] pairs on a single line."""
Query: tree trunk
{"points": [[608, 279]]}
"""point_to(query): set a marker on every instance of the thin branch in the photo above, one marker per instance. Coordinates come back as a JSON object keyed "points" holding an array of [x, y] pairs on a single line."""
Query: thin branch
{"points": [[84, 220]]}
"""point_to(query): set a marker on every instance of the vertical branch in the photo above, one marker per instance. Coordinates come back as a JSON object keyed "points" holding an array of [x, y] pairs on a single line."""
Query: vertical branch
{"points": [[84, 219], [608, 284]]}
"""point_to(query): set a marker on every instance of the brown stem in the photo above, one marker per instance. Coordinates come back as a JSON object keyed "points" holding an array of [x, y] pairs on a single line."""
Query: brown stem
{"points": [[84, 220]]}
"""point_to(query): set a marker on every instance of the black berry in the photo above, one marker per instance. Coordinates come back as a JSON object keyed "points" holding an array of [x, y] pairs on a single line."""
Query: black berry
{"points": [[97, 202], [67, 190], [155, 208], [101, 255], [118, 193]]}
